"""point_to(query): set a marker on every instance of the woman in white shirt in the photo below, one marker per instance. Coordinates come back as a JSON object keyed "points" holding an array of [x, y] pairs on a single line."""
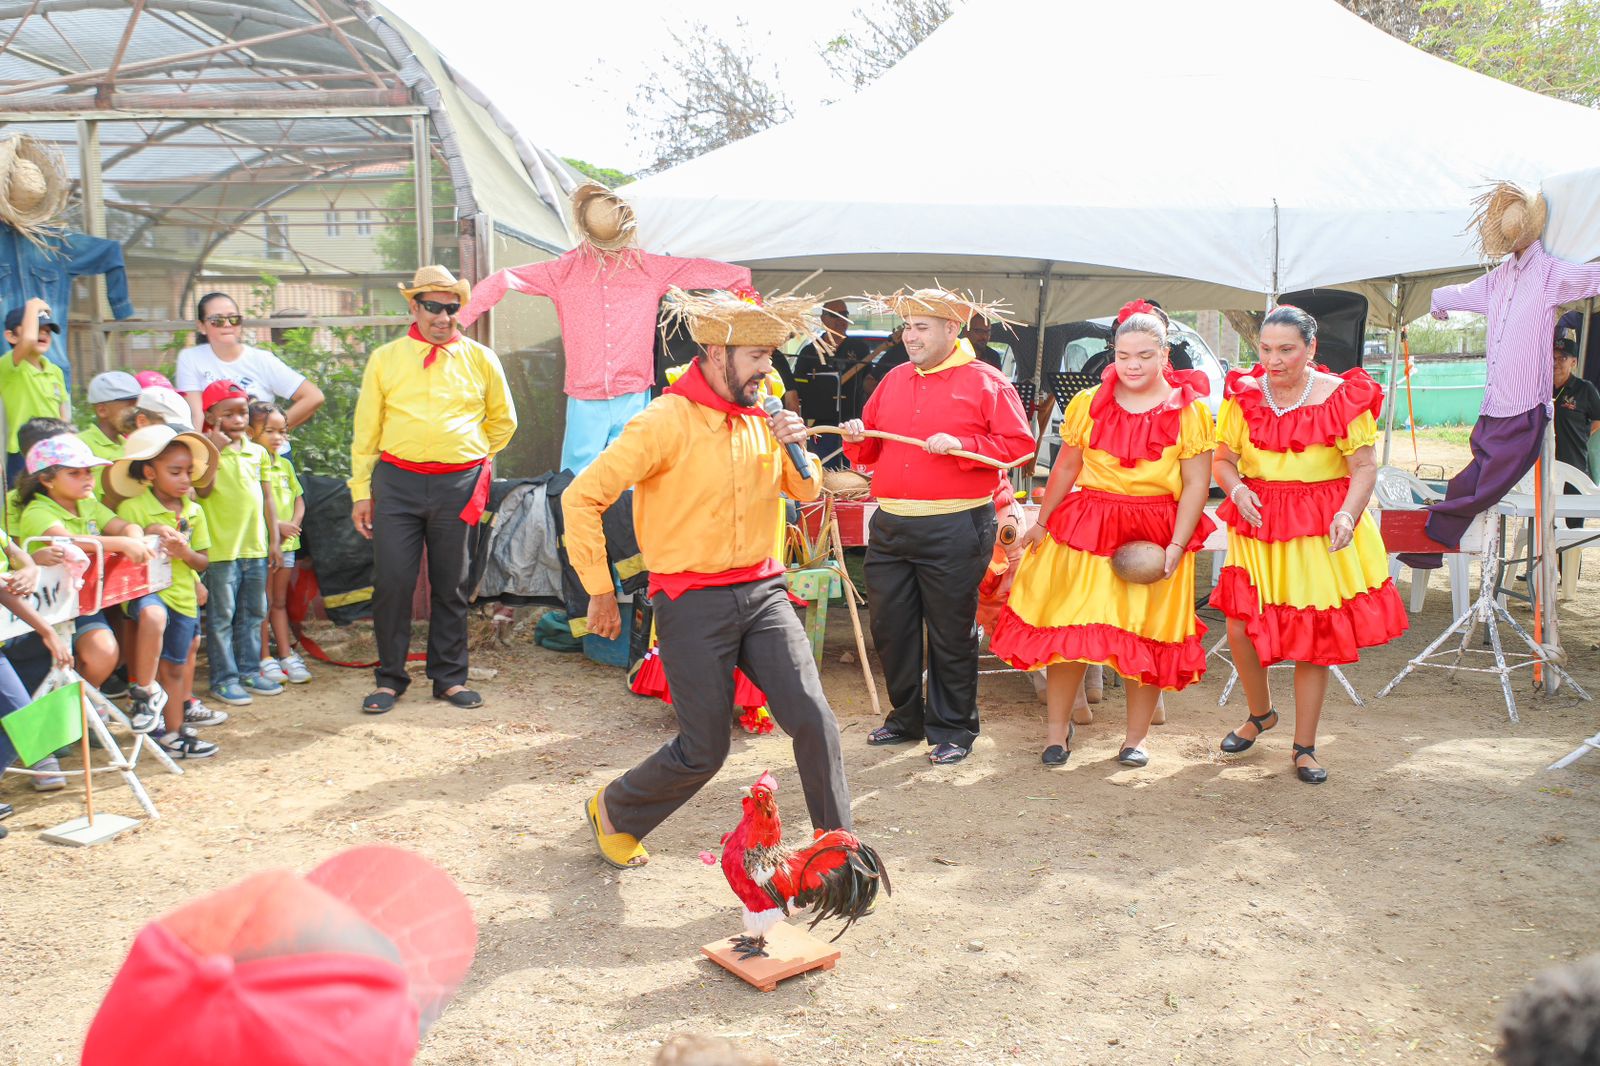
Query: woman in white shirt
{"points": [[225, 357]]}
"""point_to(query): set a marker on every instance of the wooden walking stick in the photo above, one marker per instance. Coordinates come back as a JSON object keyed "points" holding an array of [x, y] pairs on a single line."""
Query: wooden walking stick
{"points": [[855, 618], [915, 443]]}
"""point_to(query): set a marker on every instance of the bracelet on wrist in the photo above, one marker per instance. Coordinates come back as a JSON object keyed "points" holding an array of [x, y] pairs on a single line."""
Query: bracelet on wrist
{"points": [[1235, 492], [1345, 514]]}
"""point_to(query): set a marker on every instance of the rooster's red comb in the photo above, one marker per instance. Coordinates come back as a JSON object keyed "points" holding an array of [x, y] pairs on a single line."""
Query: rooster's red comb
{"points": [[766, 781]]}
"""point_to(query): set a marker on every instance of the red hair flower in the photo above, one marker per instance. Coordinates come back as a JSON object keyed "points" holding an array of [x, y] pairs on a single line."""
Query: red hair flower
{"points": [[1134, 307], [748, 295]]}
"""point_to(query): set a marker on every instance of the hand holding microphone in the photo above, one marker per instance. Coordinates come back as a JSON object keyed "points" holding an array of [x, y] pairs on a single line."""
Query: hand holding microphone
{"points": [[790, 430]]}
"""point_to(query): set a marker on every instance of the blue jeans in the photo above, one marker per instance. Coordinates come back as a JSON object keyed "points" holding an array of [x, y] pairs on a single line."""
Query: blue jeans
{"points": [[234, 612], [13, 697]]}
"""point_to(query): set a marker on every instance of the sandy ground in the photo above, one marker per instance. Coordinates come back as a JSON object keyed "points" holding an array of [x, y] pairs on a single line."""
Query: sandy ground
{"points": [[1204, 910]]}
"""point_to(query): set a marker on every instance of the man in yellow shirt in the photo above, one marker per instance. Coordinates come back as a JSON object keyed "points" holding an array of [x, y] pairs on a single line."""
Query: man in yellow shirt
{"points": [[433, 412], [706, 466]]}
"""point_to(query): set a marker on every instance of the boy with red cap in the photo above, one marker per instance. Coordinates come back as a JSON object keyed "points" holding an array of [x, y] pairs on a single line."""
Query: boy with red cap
{"points": [[244, 544]]}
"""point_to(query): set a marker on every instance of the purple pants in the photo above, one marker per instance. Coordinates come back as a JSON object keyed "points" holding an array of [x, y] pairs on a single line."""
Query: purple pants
{"points": [[1503, 450]]}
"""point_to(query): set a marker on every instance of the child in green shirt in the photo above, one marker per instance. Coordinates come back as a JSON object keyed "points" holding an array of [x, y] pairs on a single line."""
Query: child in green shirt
{"points": [[31, 386], [270, 429]]}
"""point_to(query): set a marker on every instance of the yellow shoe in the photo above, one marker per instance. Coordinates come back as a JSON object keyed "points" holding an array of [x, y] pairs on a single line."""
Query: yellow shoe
{"points": [[621, 850]]}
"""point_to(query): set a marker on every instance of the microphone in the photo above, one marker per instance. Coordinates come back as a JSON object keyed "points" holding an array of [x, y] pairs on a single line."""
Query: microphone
{"points": [[797, 454]]}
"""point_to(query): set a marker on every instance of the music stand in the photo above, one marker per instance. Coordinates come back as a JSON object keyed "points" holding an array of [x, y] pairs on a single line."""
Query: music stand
{"points": [[1028, 393], [1068, 383]]}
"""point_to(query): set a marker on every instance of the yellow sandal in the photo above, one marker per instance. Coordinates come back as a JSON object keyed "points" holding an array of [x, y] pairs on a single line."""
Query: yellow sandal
{"points": [[621, 850]]}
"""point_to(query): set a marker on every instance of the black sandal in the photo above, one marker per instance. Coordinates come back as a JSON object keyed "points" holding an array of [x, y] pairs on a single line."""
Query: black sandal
{"points": [[1233, 743], [465, 698], [884, 735], [379, 702], [948, 753], [1310, 775], [1058, 754]]}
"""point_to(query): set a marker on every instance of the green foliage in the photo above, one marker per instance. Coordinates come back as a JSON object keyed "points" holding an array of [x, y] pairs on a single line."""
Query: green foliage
{"points": [[1467, 334], [396, 240], [1548, 46], [606, 176]]}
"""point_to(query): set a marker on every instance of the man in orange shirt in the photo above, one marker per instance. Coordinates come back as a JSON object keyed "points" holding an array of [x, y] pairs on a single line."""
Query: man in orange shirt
{"points": [[707, 466]]}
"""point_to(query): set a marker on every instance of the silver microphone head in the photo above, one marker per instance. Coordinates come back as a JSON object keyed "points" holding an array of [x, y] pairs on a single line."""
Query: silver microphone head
{"points": [[772, 405]]}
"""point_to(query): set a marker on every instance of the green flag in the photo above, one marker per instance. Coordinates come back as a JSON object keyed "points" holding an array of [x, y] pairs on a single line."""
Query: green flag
{"points": [[46, 725]]}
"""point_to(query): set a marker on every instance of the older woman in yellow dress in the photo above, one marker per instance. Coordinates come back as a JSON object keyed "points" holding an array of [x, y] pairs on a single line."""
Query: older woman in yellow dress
{"points": [[1307, 579], [1135, 465]]}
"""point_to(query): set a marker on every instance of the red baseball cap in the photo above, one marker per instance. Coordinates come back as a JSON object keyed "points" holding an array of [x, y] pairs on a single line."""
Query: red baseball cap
{"points": [[347, 966], [218, 391]]}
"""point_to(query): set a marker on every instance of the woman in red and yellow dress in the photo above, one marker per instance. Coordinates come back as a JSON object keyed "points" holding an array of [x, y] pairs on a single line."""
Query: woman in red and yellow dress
{"points": [[1137, 449], [1307, 578]]}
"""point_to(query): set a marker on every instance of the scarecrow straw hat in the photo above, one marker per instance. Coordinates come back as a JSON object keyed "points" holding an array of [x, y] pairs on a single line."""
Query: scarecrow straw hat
{"points": [[604, 219], [1508, 218], [938, 303], [743, 318], [847, 483], [436, 279], [33, 185]]}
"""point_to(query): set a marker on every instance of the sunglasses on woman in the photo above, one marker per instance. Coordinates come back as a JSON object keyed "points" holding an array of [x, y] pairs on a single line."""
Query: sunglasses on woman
{"points": [[434, 307], [225, 320]]}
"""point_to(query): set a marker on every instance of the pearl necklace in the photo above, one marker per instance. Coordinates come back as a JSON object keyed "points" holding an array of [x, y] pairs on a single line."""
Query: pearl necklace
{"points": [[1272, 401]]}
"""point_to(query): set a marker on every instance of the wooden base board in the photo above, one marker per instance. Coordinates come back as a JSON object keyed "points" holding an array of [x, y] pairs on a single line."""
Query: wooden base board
{"points": [[78, 833], [790, 950]]}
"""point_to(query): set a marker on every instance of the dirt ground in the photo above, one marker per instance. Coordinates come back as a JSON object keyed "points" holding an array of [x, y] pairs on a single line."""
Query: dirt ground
{"points": [[1203, 910]]}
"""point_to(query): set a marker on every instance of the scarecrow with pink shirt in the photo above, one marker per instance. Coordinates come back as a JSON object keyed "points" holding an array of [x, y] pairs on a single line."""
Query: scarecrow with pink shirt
{"points": [[607, 294]]}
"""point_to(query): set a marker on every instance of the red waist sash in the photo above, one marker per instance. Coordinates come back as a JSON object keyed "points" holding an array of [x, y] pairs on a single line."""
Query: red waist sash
{"points": [[675, 585], [473, 511]]}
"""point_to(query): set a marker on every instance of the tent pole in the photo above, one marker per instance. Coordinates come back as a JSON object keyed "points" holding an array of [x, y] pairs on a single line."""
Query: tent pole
{"points": [[1038, 345], [1394, 363], [1583, 336]]}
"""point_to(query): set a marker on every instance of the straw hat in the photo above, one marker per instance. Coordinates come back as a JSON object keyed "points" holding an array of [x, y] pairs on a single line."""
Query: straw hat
{"points": [[436, 278], [743, 317], [846, 483], [33, 185], [149, 442], [1508, 218], [604, 219], [938, 303]]}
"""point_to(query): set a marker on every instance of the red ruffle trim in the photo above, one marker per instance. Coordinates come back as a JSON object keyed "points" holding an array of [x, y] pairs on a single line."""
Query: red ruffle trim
{"points": [[1306, 634], [651, 680], [1289, 509], [1324, 423], [1092, 520], [1151, 662], [1143, 436]]}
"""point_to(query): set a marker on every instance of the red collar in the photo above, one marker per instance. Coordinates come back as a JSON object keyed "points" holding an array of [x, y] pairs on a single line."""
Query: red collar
{"points": [[433, 349], [694, 387]]}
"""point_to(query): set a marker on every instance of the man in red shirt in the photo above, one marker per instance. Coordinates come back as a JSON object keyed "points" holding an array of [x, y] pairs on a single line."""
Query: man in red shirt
{"points": [[931, 538]]}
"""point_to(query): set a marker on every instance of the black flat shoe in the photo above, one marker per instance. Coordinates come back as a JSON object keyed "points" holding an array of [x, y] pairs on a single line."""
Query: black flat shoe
{"points": [[1133, 757], [883, 735], [1233, 743], [1311, 775], [1058, 754], [466, 699], [379, 703]]}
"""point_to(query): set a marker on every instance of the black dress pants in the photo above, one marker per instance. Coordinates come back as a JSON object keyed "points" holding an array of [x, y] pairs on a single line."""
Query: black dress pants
{"points": [[410, 511], [923, 575]]}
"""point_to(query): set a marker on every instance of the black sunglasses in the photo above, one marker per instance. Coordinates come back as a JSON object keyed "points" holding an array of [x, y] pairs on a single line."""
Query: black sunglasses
{"points": [[434, 307], [225, 320]]}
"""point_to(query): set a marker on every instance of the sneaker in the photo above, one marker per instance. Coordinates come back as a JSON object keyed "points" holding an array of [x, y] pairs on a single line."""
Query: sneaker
{"points": [[261, 686], [144, 713], [184, 744], [294, 668], [272, 670], [197, 713], [116, 686], [52, 783], [232, 693]]}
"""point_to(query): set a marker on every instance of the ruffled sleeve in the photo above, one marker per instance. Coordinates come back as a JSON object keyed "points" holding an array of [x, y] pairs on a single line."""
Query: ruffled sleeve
{"points": [[1231, 430], [1328, 422], [1075, 422], [1196, 432], [1363, 433]]}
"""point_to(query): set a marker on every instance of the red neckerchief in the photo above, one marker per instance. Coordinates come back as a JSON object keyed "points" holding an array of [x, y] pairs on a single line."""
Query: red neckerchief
{"points": [[433, 349], [694, 387]]}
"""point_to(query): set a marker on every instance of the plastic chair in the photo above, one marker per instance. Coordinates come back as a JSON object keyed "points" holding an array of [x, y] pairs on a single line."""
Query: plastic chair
{"points": [[1401, 490], [1567, 540]]}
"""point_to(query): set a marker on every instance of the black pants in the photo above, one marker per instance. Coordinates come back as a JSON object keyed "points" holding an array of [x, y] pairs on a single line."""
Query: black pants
{"points": [[703, 635], [923, 574], [410, 511]]}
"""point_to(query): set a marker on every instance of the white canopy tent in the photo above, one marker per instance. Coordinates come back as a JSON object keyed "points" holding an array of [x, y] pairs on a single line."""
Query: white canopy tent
{"points": [[1208, 155]]}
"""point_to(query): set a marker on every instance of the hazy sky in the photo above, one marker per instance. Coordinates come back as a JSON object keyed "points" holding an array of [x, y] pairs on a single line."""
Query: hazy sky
{"points": [[565, 72]]}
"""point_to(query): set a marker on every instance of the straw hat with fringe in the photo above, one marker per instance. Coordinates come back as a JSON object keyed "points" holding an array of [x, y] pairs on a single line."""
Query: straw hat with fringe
{"points": [[33, 186], [938, 303], [743, 318], [1508, 218], [604, 220]]}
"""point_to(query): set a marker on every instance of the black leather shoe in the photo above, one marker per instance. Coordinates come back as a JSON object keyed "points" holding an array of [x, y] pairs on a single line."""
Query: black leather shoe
{"points": [[1133, 757], [1233, 743], [1310, 775], [1058, 754]]}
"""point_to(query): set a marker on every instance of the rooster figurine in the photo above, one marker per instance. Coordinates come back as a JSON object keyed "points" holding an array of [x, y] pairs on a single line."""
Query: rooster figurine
{"points": [[835, 873]]}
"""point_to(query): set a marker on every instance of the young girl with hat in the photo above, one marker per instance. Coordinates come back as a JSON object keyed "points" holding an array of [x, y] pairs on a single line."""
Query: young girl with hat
{"points": [[151, 486], [270, 429], [57, 498], [244, 544]]}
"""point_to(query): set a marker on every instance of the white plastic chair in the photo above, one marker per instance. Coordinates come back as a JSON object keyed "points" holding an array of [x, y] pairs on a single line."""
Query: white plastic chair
{"points": [[1401, 490], [1567, 540]]}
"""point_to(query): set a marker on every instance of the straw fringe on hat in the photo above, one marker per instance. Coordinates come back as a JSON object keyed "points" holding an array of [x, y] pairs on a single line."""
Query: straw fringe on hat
{"points": [[436, 278], [33, 186], [743, 318], [939, 303], [1507, 218], [604, 220]]}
